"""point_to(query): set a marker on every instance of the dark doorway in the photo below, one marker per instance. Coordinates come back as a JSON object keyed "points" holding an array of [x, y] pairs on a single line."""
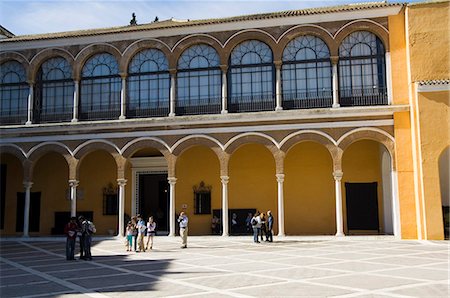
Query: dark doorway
{"points": [[35, 211], [154, 199], [362, 206]]}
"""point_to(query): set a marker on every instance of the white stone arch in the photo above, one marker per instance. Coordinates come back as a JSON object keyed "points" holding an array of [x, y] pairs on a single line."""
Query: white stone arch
{"points": [[258, 134], [194, 35], [145, 39], [37, 56], [249, 30], [34, 148], [321, 133], [10, 56], [103, 44], [81, 146], [15, 150], [358, 21], [196, 136], [304, 25], [132, 142]]}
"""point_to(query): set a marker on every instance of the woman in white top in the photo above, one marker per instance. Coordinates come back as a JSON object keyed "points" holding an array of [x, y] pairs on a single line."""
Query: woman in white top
{"points": [[151, 231]]}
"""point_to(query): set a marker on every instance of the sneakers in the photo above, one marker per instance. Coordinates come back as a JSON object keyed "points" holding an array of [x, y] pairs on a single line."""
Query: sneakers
{"points": [[184, 246]]}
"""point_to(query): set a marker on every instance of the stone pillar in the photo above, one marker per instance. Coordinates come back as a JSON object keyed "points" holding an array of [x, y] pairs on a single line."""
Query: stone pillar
{"points": [[278, 96], [30, 103], [122, 183], [123, 97], [73, 196], [338, 193], [334, 63], [172, 181], [388, 77], [395, 205], [224, 69], [76, 99], [26, 210], [173, 73], [225, 180], [280, 180]]}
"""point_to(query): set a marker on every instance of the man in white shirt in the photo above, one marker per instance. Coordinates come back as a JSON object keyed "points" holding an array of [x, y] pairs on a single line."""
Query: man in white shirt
{"points": [[183, 221]]}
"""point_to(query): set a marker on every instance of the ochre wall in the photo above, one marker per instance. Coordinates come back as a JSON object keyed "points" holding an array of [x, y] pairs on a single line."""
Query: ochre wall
{"points": [[97, 170], [197, 164], [361, 164], [52, 182], [429, 41], [253, 182], [14, 184], [434, 115], [309, 198]]}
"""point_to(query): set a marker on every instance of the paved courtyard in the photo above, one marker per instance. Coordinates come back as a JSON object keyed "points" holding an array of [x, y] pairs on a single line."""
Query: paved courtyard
{"points": [[229, 267]]}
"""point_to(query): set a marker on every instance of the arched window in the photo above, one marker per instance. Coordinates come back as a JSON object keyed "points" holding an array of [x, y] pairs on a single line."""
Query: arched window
{"points": [[251, 78], [199, 81], [362, 70], [14, 92], [306, 74], [148, 84], [100, 88], [53, 99]]}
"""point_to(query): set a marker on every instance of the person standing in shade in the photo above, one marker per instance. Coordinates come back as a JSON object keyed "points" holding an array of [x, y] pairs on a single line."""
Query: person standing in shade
{"points": [[70, 230], [269, 232], [135, 232], [183, 221], [87, 235], [81, 236]]}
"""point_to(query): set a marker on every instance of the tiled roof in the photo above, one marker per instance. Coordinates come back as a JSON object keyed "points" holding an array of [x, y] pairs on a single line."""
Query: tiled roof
{"points": [[188, 23], [434, 82]]}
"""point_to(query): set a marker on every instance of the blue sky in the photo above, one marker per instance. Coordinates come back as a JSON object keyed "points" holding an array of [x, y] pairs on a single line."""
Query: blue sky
{"points": [[44, 16]]}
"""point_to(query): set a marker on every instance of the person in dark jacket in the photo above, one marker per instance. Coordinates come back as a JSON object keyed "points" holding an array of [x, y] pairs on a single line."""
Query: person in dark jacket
{"points": [[269, 232]]}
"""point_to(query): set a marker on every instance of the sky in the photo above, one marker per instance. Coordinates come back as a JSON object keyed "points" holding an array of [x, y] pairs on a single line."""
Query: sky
{"points": [[23, 17]]}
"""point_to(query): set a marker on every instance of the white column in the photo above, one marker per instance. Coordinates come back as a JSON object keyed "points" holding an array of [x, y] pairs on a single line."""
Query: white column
{"points": [[388, 77], [280, 180], [123, 98], [172, 181], [172, 94], [30, 104], [224, 90], [335, 84], [122, 183], [278, 97], [73, 196], [76, 100], [225, 180], [26, 210], [395, 205], [338, 189]]}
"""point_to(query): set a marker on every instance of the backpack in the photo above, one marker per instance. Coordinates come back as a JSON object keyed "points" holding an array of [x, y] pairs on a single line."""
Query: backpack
{"points": [[254, 222], [91, 227]]}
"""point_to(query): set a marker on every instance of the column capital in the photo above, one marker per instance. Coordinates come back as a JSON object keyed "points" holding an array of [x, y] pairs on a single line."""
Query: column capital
{"points": [[224, 68], [173, 71], [123, 75], [280, 177], [27, 184], [277, 64], [338, 175], [224, 179], [74, 183], [122, 182], [31, 83], [172, 180], [334, 59]]}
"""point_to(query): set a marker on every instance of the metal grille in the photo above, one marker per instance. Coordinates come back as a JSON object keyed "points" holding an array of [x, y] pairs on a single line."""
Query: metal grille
{"points": [[14, 92]]}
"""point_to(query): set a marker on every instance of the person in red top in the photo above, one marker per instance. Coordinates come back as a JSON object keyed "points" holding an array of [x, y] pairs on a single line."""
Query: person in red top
{"points": [[71, 232]]}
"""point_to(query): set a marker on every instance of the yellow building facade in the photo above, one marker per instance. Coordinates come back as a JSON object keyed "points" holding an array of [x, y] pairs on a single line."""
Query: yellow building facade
{"points": [[335, 119]]}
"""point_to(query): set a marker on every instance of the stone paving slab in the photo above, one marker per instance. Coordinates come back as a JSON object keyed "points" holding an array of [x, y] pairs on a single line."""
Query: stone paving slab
{"points": [[229, 267]]}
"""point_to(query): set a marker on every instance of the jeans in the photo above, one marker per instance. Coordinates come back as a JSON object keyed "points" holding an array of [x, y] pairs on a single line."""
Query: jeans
{"points": [[70, 248], [256, 234]]}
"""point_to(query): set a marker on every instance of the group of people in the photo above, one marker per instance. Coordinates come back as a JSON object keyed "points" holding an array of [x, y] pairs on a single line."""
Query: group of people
{"points": [[137, 229], [261, 226], [83, 229]]}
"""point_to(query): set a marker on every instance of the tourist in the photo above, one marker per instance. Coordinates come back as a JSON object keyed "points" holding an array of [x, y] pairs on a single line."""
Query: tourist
{"points": [[256, 225], [151, 232], [141, 227], [183, 221], [263, 230], [130, 234], [70, 230], [269, 233], [215, 225]]}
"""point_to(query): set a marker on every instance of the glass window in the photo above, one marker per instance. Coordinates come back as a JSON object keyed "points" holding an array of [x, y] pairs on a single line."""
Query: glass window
{"points": [[148, 84], [54, 91], [199, 81], [100, 88], [362, 70], [14, 91], [306, 74], [251, 78]]}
